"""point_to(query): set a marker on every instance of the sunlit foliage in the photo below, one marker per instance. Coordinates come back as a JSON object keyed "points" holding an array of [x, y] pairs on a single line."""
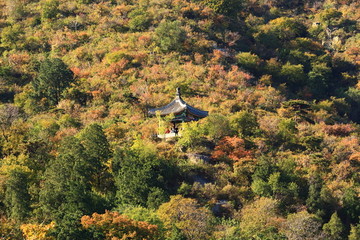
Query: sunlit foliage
{"points": [[278, 156]]}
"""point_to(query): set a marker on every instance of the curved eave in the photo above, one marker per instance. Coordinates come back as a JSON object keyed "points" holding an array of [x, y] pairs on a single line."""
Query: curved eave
{"points": [[176, 106], [197, 112]]}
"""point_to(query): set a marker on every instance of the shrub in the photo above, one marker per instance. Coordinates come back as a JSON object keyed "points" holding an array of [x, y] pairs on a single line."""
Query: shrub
{"points": [[170, 36], [139, 20]]}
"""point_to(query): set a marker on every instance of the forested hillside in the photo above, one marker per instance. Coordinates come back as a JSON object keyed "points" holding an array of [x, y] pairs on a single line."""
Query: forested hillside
{"points": [[278, 156]]}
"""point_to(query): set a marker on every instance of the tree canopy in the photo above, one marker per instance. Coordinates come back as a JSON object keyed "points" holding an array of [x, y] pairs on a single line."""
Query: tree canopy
{"points": [[277, 156], [53, 79]]}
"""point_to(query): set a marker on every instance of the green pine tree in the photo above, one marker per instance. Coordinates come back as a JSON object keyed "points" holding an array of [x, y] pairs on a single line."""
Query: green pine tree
{"points": [[313, 201], [54, 77], [17, 197], [141, 177], [351, 205], [98, 148], [66, 194], [334, 228], [135, 177], [94, 141], [170, 36]]}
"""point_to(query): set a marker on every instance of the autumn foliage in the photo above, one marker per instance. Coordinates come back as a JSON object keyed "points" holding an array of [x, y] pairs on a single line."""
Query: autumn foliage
{"points": [[232, 148], [277, 157], [114, 226], [37, 231]]}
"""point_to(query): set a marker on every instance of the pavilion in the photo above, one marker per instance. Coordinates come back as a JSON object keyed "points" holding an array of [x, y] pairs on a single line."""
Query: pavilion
{"points": [[182, 112]]}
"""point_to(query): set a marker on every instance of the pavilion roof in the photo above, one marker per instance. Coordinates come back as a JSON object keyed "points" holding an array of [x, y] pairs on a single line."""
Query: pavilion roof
{"points": [[178, 105]]}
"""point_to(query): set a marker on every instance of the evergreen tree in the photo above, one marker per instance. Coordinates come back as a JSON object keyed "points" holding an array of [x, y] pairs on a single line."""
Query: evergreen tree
{"points": [[334, 228], [17, 197], [320, 201], [98, 148], [66, 194], [351, 205], [54, 77], [94, 141], [319, 80], [226, 7], [141, 177], [135, 177], [314, 201], [170, 36]]}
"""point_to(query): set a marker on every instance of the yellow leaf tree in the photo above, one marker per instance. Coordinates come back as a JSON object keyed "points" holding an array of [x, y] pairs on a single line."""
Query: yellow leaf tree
{"points": [[187, 215]]}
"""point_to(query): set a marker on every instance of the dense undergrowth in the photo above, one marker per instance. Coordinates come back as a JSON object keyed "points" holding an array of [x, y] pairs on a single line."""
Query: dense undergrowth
{"points": [[277, 158]]}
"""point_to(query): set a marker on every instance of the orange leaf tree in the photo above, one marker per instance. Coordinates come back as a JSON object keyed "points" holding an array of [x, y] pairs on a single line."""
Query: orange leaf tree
{"points": [[114, 226], [232, 148]]}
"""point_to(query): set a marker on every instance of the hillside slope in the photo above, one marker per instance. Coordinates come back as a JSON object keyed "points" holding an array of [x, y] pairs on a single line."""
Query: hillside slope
{"points": [[277, 158]]}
